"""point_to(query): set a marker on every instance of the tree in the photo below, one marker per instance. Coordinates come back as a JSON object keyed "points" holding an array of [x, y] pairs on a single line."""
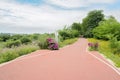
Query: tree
{"points": [[4, 37], [16, 37], [107, 29], [91, 21], [77, 26], [25, 40]]}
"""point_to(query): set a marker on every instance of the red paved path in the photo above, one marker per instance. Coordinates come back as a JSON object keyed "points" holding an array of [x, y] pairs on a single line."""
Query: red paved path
{"points": [[70, 63]]}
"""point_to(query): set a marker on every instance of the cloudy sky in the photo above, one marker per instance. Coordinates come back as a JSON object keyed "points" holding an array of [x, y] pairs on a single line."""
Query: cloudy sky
{"points": [[39, 16]]}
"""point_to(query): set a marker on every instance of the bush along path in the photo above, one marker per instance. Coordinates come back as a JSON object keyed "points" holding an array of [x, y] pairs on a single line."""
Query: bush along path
{"points": [[73, 62]]}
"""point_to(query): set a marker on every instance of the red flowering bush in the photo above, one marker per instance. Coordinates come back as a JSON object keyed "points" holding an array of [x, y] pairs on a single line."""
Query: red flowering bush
{"points": [[93, 46], [52, 44], [49, 44]]}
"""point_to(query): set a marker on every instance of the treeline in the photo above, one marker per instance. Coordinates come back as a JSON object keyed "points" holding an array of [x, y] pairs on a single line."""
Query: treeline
{"points": [[15, 40], [94, 25]]}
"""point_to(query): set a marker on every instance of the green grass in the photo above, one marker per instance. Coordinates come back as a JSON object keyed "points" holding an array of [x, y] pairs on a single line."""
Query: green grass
{"points": [[104, 48], [8, 54], [67, 42]]}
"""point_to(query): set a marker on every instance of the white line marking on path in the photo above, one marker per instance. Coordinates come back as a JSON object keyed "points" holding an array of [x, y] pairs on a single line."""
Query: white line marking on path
{"points": [[115, 69], [23, 58]]}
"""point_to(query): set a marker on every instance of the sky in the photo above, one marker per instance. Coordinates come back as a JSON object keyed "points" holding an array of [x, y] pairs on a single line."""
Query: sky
{"points": [[46, 16]]}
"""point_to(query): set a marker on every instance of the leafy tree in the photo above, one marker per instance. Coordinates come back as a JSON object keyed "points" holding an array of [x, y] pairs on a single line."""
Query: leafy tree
{"points": [[16, 37], [107, 29], [4, 37], [76, 26], [91, 21], [11, 44], [25, 40], [68, 33], [35, 36]]}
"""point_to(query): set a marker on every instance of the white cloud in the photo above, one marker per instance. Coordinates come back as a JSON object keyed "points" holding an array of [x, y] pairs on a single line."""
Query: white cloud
{"points": [[15, 17], [78, 3], [43, 17]]}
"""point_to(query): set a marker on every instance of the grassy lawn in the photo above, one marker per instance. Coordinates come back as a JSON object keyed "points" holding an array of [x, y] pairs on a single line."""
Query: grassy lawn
{"points": [[105, 49]]}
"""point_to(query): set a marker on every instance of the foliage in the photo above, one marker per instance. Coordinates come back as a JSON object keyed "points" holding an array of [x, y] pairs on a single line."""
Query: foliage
{"points": [[68, 33], [52, 44], [107, 29], [49, 43], [4, 57], [115, 46], [26, 49], [9, 54], [35, 36], [4, 37], [25, 40], [11, 44], [91, 21], [77, 26], [93, 46], [16, 37], [43, 44]]}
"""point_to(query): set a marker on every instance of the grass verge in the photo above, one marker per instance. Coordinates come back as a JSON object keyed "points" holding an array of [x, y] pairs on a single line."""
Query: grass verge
{"points": [[8, 54], [67, 42], [104, 48]]}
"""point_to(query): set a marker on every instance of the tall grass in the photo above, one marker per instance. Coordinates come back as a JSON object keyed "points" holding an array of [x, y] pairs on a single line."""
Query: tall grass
{"points": [[8, 54], [105, 49]]}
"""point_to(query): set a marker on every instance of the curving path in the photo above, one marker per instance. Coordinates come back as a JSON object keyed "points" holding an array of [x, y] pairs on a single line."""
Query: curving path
{"points": [[73, 62]]}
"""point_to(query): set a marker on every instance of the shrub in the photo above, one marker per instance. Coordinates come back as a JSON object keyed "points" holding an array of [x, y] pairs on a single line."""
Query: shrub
{"points": [[49, 44], [115, 45], [25, 49], [8, 55], [43, 45], [4, 37], [93, 46], [13, 43], [107, 29], [52, 44], [25, 40]]}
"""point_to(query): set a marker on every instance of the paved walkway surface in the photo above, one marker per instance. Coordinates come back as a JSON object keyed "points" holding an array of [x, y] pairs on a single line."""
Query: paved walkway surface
{"points": [[73, 62]]}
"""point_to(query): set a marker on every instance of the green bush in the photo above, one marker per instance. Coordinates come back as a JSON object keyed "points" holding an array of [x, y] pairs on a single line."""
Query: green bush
{"points": [[115, 45], [25, 49], [8, 55], [25, 40], [43, 45], [68, 33], [10, 44], [16, 37], [4, 37], [107, 29]]}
